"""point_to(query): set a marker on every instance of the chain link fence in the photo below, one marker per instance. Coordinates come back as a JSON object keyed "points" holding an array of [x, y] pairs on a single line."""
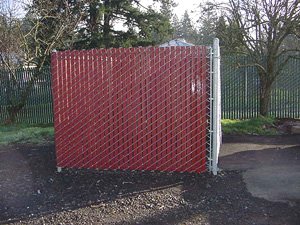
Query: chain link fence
{"points": [[132, 109], [240, 92]]}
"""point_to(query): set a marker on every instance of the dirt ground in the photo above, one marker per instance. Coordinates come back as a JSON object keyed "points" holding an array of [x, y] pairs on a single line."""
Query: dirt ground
{"points": [[32, 192]]}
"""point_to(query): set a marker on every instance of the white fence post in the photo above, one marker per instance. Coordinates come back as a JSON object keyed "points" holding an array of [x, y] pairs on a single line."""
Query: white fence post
{"points": [[216, 110]]}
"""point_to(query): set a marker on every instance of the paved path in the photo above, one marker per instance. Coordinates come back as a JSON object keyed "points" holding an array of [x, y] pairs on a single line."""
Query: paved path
{"points": [[271, 165]]}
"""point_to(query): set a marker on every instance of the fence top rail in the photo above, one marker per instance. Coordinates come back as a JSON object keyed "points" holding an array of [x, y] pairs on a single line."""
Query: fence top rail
{"points": [[133, 49]]}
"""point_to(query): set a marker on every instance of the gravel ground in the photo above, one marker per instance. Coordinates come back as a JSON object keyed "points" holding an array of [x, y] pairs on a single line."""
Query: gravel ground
{"points": [[32, 192]]}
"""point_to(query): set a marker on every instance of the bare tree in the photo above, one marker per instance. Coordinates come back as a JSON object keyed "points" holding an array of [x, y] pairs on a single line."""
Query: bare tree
{"points": [[10, 51], [43, 29], [262, 28], [9, 38]]}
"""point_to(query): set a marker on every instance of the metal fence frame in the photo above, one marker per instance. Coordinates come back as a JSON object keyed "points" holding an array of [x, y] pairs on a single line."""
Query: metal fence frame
{"points": [[178, 71]]}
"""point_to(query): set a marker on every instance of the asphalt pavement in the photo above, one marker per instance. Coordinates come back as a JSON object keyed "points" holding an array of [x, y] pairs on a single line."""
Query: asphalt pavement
{"points": [[270, 165]]}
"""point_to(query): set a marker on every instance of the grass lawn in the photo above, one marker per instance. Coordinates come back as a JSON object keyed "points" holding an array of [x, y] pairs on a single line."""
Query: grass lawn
{"points": [[255, 126], [36, 134]]}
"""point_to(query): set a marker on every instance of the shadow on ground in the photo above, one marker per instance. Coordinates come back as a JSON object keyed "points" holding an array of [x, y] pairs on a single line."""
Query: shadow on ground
{"points": [[31, 191], [258, 158], [273, 140]]}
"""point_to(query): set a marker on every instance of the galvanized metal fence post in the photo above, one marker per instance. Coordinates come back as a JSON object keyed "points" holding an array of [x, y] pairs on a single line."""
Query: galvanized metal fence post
{"points": [[210, 146], [216, 110]]}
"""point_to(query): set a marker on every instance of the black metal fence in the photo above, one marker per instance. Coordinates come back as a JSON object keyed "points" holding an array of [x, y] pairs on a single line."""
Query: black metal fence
{"points": [[240, 92], [38, 108], [241, 86]]}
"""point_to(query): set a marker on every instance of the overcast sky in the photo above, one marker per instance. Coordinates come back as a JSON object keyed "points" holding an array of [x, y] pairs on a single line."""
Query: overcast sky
{"points": [[179, 10], [186, 5], [189, 5]]}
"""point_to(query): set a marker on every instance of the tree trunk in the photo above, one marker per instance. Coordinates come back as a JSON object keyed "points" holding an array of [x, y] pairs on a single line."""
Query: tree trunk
{"points": [[15, 106], [267, 78], [93, 24], [265, 96], [106, 24], [13, 113]]}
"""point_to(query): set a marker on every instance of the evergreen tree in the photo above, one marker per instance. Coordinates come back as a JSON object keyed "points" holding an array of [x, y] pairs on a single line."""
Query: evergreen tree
{"points": [[184, 28], [207, 28], [176, 27], [211, 25], [166, 8], [188, 32], [115, 23], [229, 36]]}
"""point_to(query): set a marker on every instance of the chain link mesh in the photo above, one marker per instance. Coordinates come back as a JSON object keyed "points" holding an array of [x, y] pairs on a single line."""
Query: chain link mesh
{"points": [[132, 109]]}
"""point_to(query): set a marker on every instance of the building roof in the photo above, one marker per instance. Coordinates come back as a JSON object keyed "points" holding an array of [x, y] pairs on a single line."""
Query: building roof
{"points": [[176, 42]]}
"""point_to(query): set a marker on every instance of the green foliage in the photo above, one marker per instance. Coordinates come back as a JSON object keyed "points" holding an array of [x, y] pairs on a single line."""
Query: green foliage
{"points": [[121, 23], [229, 36], [256, 126], [166, 8], [212, 23], [26, 134], [184, 28], [207, 23]]}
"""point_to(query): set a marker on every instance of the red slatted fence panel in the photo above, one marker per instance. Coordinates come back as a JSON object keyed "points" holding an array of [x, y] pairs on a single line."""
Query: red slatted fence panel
{"points": [[135, 108]]}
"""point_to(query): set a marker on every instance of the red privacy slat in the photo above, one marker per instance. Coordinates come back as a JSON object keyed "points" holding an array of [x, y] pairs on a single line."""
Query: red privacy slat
{"points": [[135, 108]]}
